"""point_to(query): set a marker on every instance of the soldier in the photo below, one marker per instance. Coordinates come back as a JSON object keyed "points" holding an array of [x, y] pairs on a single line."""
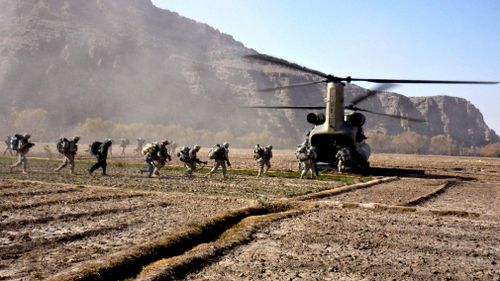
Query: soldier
{"points": [[100, 150], [221, 156], [306, 155], [21, 145], [123, 145], [263, 157], [190, 159], [8, 148], [68, 148], [140, 144], [155, 156]]}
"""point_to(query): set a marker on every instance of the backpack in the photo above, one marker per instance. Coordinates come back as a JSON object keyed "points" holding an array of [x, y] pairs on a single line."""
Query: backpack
{"points": [[124, 142], [63, 145], [149, 149], [268, 153], [301, 153], [184, 154], [258, 153], [217, 152], [94, 147], [311, 153], [163, 154], [14, 143]]}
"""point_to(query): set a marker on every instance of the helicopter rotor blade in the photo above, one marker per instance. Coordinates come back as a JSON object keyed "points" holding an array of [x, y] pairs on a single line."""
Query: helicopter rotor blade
{"points": [[372, 92], [389, 115], [286, 107], [410, 81], [284, 63], [348, 79], [298, 85]]}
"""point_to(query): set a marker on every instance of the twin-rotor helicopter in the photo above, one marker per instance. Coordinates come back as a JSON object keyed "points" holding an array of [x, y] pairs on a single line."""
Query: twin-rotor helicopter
{"points": [[337, 134]]}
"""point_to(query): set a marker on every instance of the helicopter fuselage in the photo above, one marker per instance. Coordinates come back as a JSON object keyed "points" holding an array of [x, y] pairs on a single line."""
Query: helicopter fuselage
{"points": [[337, 131]]}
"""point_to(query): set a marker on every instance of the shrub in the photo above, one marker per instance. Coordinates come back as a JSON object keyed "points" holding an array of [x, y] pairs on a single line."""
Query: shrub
{"points": [[490, 150]]}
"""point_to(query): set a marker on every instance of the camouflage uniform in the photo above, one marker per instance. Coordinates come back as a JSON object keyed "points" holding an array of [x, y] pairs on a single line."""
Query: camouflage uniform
{"points": [[8, 148], [306, 155], [23, 148], [221, 161], [123, 145], [140, 144], [69, 155], [191, 160], [102, 156], [264, 159], [156, 158]]}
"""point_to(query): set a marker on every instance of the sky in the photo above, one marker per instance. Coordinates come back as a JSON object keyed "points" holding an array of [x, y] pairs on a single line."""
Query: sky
{"points": [[421, 39]]}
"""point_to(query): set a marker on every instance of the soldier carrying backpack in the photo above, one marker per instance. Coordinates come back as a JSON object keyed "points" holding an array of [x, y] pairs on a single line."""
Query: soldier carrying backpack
{"points": [[220, 154], [68, 148], [7, 144], [189, 157], [140, 145], [100, 150], [22, 145], [263, 157], [306, 156], [123, 145], [156, 156]]}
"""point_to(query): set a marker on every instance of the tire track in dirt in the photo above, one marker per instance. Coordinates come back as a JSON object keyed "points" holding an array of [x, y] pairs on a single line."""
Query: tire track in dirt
{"points": [[70, 201], [404, 192], [478, 196], [71, 216], [426, 197], [14, 251]]}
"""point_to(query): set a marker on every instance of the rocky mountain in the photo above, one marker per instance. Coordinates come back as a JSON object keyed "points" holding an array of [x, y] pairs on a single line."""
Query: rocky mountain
{"points": [[129, 61]]}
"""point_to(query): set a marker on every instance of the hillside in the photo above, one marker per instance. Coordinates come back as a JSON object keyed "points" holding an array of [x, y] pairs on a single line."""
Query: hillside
{"points": [[128, 61]]}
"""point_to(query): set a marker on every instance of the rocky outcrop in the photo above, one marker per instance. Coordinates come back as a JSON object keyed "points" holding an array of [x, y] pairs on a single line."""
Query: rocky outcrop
{"points": [[128, 61]]}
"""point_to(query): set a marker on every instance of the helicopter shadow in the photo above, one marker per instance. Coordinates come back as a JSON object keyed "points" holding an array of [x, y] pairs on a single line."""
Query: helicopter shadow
{"points": [[408, 173]]}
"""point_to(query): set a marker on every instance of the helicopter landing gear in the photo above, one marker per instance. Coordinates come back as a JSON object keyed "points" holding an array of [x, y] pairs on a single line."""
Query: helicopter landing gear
{"points": [[343, 159]]}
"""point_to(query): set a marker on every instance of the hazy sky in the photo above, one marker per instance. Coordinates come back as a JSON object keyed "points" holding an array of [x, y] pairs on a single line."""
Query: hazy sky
{"points": [[421, 39]]}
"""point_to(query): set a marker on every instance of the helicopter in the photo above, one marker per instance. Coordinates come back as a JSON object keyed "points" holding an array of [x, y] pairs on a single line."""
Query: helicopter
{"points": [[337, 134]]}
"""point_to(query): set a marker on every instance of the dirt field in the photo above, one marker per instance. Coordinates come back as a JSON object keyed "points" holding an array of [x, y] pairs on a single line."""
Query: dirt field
{"points": [[49, 227], [438, 220]]}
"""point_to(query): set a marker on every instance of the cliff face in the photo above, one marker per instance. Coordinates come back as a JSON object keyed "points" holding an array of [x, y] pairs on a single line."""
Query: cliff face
{"points": [[128, 61]]}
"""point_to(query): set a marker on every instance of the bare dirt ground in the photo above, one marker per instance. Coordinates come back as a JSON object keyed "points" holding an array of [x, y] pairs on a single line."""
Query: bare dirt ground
{"points": [[52, 222], [46, 228], [335, 243], [356, 244]]}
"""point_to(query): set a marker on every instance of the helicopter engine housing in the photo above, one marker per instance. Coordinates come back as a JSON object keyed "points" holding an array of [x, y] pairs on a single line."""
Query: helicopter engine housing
{"points": [[356, 119], [316, 118]]}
